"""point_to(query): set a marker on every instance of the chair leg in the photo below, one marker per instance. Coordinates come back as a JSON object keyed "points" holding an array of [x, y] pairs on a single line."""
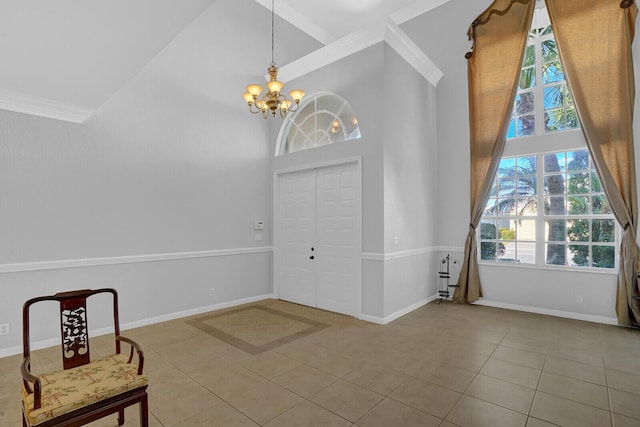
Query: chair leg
{"points": [[144, 412], [121, 417]]}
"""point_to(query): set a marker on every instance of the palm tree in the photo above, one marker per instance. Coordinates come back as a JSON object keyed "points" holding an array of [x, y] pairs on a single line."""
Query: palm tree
{"points": [[516, 188], [517, 194], [554, 188], [560, 114]]}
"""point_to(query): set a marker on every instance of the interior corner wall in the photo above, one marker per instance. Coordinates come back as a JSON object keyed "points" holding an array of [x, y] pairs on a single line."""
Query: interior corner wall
{"points": [[410, 186]]}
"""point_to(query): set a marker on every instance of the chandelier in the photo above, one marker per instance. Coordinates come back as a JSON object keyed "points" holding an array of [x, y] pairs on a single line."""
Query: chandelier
{"points": [[272, 101]]}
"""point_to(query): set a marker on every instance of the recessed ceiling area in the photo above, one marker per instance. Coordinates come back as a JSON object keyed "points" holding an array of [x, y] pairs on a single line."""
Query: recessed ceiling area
{"points": [[79, 52], [75, 54]]}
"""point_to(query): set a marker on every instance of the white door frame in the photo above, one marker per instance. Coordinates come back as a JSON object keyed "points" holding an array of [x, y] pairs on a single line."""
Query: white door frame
{"points": [[358, 221]]}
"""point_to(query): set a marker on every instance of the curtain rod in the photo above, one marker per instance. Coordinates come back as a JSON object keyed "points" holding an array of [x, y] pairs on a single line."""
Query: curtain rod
{"points": [[481, 21]]}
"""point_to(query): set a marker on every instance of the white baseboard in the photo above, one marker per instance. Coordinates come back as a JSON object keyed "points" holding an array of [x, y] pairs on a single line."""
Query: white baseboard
{"points": [[10, 351], [399, 313], [549, 312]]}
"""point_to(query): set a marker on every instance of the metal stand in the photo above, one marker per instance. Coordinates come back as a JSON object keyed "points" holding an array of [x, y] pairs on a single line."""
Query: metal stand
{"points": [[445, 276]]}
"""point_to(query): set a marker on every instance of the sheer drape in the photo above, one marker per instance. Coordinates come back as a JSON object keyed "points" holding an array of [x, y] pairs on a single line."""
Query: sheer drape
{"points": [[500, 35], [594, 41]]}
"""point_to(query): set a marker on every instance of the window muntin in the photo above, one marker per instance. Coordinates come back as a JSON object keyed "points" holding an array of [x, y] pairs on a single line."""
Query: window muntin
{"points": [[322, 120], [580, 223], [547, 206], [508, 226], [568, 223], [543, 102]]}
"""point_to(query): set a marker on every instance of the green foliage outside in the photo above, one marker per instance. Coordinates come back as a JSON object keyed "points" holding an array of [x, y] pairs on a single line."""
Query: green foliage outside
{"points": [[507, 234], [602, 230], [490, 250]]}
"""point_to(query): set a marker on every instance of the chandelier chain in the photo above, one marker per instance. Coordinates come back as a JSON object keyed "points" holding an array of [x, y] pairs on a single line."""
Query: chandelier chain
{"points": [[272, 101], [273, 14]]}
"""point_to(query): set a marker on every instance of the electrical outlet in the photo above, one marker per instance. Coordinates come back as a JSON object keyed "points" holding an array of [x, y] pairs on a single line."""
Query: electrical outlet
{"points": [[212, 292], [4, 329], [579, 299]]}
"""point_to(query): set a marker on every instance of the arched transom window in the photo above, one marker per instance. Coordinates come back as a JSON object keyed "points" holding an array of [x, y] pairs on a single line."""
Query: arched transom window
{"points": [[323, 119]]}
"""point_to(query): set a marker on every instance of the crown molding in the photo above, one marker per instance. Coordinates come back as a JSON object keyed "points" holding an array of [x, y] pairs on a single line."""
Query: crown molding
{"points": [[333, 52], [42, 107], [388, 32], [410, 52], [303, 23]]}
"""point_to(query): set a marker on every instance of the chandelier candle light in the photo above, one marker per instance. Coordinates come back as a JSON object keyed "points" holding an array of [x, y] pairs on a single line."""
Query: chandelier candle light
{"points": [[272, 100]]}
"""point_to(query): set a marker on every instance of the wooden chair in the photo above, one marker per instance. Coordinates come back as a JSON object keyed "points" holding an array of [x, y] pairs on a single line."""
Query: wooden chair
{"points": [[85, 389]]}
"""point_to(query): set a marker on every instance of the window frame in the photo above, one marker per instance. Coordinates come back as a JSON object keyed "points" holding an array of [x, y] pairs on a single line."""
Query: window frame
{"points": [[292, 123], [540, 219], [537, 144]]}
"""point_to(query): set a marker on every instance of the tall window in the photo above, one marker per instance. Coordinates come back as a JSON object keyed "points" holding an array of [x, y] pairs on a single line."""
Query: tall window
{"points": [[543, 103], [324, 119], [547, 206], [568, 223]]}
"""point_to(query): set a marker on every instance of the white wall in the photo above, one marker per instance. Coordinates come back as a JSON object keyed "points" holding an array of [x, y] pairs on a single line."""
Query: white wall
{"points": [[156, 194], [357, 79], [410, 186], [395, 107], [442, 35]]}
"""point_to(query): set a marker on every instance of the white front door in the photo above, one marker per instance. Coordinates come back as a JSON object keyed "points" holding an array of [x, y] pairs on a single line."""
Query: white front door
{"points": [[297, 234], [318, 247]]}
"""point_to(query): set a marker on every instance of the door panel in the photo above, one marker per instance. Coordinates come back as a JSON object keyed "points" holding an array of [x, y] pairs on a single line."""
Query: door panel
{"points": [[338, 285], [320, 209], [297, 234]]}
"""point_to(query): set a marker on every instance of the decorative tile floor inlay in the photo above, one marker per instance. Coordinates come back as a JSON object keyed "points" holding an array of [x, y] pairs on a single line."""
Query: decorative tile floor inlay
{"points": [[256, 329]]}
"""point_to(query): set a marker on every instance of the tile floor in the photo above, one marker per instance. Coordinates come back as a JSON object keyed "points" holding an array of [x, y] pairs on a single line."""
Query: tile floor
{"points": [[441, 365]]}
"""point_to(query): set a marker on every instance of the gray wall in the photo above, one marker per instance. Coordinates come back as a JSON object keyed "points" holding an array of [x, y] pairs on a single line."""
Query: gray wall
{"points": [[156, 194], [410, 186]]}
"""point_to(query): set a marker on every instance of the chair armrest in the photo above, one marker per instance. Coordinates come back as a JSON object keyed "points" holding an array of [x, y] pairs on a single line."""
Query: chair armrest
{"points": [[138, 349], [27, 379]]}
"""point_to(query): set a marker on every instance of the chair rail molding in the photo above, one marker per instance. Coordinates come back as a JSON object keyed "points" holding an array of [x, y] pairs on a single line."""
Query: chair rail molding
{"points": [[387, 256], [126, 259]]}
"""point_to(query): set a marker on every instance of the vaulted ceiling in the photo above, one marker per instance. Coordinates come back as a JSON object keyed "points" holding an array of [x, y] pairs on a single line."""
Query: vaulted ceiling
{"points": [[72, 55]]}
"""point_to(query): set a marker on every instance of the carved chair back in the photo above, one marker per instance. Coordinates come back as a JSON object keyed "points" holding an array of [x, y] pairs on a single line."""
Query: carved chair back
{"points": [[74, 330]]}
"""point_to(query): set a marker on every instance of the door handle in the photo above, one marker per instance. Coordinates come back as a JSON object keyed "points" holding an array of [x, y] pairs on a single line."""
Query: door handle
{"points": [[312, 257]]}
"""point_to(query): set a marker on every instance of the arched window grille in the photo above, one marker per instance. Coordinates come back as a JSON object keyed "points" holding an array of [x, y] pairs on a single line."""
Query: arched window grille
{"points": [[324, 119]]}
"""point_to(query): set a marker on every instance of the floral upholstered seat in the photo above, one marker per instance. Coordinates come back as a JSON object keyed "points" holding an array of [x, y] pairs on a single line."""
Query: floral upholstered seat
{"points": [[67, 390], [85, 389]]}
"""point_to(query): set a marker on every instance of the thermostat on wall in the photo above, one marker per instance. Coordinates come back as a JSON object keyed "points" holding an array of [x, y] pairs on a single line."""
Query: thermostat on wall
{"points": [[258, 225]]}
